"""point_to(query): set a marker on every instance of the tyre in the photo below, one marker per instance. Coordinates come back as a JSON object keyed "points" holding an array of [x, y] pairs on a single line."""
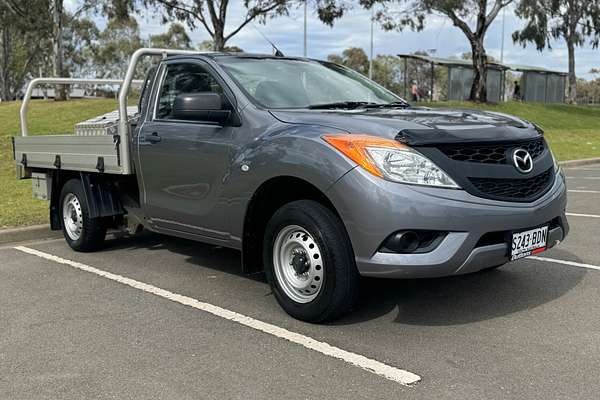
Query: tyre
{"points": [[309, 262], [81, 232]]}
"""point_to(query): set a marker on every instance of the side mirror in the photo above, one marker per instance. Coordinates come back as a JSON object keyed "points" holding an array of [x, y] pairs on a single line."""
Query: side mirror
{"points": [[202, 106]]}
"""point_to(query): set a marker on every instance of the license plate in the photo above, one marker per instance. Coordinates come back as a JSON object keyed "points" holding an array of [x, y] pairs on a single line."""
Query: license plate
{"points": [[527, 243]]}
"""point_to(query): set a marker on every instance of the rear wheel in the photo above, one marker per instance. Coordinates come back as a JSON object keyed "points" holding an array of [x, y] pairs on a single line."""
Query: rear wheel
{"points": [[309, 262], [81, 232]]}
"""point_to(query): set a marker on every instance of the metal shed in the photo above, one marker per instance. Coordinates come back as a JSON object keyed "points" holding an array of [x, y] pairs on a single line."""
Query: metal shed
{"points": [[460, 77], [541, 85]]}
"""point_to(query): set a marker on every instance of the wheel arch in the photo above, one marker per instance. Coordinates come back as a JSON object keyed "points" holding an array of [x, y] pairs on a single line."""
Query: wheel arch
{"points": [[268, 198], [100, 195]]}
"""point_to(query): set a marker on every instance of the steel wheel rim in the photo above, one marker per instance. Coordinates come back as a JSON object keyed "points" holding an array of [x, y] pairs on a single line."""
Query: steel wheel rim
{"points": [[72, 216], [298, 264]]}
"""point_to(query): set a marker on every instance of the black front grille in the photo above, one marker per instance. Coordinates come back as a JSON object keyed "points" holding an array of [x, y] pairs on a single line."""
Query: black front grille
{"points": [[526, 189], [491, 154]]}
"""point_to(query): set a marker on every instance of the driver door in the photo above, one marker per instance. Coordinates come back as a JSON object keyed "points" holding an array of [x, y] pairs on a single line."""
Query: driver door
{"points": [[183, 162]]}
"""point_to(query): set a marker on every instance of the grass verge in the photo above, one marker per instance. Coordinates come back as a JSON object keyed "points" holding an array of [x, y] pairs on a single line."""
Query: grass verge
{"points": [[17, 207]]}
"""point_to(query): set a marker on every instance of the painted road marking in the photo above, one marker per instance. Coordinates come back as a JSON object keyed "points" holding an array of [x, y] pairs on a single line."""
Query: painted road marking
{"points": [[394, 374], [583, 177], [583, 215], [571, 263], [583, 191]]}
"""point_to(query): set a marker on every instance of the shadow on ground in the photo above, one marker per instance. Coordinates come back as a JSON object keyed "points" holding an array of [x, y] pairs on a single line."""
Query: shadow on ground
{"points": [[455, 300]]}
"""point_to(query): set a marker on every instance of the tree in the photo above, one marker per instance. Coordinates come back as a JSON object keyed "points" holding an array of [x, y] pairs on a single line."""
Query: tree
{"points": [[208, 45], [23, 37], [412, 14], [57, 47], [210, 14], [352, 57], [388, 70], [80, 36], [588, 91], [175, 38], [116, 43], [574, 21]]}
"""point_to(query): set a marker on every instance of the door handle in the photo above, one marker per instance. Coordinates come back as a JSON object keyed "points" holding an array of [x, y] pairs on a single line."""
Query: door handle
{"points": [[153, 138]]}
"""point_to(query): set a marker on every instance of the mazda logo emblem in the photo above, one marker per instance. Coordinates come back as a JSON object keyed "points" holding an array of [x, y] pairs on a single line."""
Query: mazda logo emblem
{"points": [[522, 160]]}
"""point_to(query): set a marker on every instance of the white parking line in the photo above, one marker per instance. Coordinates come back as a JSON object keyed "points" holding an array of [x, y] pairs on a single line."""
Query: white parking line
{"points": [[583, 191], [394, 374], [583, 177], [571, 263], [583, 215]]}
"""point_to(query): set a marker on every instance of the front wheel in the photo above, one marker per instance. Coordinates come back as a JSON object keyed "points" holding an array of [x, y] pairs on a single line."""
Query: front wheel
{"points": [[309, 262], [81, 232]]}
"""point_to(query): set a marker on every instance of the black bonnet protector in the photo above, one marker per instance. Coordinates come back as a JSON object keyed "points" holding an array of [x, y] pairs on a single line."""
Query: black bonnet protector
{"points": [[489, 134]]}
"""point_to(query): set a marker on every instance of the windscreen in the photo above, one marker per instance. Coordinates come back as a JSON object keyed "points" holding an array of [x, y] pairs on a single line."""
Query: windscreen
{"points": [[292, 83]]}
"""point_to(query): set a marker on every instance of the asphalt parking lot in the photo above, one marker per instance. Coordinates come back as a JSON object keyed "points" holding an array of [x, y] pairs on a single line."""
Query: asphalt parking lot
{"points": [[151, 317]]}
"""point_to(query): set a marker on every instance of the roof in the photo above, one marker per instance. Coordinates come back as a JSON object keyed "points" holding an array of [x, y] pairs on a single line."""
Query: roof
{"points": [[456, 62], [528, 68], [451, 62]]}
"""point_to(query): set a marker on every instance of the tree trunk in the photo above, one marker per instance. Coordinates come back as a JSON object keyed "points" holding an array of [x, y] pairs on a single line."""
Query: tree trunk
{"points": [[4, 68], [57, 47], [572, 91], [218, 38], [478, 90]]}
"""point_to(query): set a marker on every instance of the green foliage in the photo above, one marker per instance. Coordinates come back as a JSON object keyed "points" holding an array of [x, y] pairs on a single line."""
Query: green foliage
{"points": [[571, 20], [208, 45], [175, 38], [79, 37], [387, 71], [23, 35], [212, 15], [588, 91], [352, 57], [574, 21], [114, 47]]}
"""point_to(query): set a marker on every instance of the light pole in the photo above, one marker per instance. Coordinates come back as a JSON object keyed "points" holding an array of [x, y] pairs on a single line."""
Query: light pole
{"points": [[305, 27], [371, 50], [503, 26]]}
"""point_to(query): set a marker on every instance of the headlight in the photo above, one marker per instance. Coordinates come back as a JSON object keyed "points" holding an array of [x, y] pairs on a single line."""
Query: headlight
{"points": [[390, 160], [408, 166]]}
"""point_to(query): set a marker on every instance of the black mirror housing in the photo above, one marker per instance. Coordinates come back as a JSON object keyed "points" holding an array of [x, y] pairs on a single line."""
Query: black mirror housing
{"points": [[201, 106]]}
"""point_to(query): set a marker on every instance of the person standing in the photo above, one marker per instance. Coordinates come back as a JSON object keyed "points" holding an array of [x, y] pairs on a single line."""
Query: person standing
{"points": [[517, 92], [415, 91]]}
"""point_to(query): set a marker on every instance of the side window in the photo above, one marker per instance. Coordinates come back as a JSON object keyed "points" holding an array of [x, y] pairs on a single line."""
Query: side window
{"points": [[184, 78]]}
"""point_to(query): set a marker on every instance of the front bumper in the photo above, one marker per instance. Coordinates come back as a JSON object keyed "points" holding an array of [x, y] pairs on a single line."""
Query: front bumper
{"points": [[373, 208]]}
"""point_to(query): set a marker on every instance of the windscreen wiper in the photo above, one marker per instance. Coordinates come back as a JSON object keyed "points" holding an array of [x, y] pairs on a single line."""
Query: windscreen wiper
{"points": [[393, 104], [358, 104], [340, 104]]}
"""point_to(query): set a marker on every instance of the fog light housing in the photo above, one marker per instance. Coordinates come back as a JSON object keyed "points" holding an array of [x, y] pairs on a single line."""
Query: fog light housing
{"points": [[412, 241]]}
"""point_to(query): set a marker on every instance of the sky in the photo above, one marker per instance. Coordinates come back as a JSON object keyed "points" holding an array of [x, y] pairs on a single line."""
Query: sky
{"points": [[354, 30]]}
